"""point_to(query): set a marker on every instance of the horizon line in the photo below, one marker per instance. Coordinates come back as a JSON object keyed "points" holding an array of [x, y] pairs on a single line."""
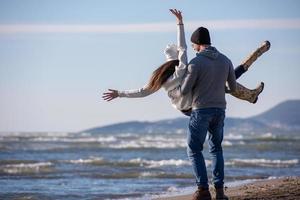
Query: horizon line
{"points": [[150, 121]]}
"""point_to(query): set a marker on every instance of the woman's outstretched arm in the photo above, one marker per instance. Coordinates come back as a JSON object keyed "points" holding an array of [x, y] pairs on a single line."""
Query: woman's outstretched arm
{"points": [[110, 95], [181, 43], [136, 93], [176, 79]]}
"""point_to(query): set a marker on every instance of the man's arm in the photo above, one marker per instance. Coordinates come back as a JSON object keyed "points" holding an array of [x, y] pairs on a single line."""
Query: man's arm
{"points": [[189, 80], [231, 80]]}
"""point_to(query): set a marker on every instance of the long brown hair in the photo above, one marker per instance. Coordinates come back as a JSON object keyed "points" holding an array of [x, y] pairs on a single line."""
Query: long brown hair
{"points": [[161, 74]]}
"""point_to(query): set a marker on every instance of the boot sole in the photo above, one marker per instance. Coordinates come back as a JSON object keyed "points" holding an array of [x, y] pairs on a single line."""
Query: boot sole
{"points": [[262, 89]]}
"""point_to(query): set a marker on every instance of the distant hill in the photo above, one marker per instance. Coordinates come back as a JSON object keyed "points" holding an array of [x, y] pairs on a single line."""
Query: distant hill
{"points": [[162, 126], [283, 117], [284, 114]]}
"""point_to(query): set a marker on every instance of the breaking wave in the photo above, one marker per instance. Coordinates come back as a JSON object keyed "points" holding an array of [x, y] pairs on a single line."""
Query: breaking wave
{"points": [[133, 162], [147, 174], [61, 141], [27, 168], [262, 162]]}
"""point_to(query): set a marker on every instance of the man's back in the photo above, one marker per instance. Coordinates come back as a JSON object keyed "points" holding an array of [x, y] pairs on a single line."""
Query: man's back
{"points": [[206, 78]]}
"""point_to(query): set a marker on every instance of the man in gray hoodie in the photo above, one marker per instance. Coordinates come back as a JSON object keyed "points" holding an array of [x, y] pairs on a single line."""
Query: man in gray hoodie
{"points": [[207, 76]]}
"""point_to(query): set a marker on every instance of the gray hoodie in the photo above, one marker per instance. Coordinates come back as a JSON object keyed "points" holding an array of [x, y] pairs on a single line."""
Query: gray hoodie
{"points": [[206, 78]]}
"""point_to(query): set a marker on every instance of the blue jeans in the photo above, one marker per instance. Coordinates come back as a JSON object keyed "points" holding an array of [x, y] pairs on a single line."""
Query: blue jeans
{"points": [[201, 121]]}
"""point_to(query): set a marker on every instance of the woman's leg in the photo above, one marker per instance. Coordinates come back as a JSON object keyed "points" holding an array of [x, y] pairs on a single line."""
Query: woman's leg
{"points": [[187, 112], [242, 68], [241, 91], [265, 46], [244, 93], [239, 70]]}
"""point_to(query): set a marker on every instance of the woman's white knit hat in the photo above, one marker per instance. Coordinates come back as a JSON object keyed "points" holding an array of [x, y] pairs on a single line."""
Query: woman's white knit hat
{"points": [[171, 52]]}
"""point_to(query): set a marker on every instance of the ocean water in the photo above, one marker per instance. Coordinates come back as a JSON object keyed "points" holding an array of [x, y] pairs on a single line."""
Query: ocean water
{"points": [[130, 166]]}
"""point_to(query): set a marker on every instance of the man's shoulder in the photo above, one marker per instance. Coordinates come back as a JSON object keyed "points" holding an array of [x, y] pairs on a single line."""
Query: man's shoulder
{"points": [[199, 60], [196, 61], [224, 57], [194, 64]]}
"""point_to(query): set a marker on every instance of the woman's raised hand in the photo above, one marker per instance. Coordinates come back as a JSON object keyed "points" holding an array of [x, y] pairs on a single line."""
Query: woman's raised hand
{"points": [[178, 15], [112, 94]]}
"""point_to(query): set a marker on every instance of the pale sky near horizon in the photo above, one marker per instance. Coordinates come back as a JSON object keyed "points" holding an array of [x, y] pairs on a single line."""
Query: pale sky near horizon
{"points": [[57, 57]]}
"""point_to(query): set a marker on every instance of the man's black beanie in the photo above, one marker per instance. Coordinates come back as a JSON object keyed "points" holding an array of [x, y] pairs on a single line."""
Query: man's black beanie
{"points": [[201, 36]]}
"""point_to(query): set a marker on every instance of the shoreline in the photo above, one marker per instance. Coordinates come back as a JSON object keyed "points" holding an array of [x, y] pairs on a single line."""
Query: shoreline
{"points": [[278, 188]]}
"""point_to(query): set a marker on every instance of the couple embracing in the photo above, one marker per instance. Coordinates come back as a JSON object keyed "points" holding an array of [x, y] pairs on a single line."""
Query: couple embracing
{"points": [[197, 88]]}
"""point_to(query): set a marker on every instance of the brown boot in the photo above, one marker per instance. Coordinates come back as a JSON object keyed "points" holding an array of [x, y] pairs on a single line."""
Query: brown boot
{"points": [[202, 194], [255, 54], [244, 93], [220, 194]]}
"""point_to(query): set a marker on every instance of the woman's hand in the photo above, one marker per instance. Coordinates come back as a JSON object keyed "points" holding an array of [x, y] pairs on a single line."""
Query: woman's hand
{"points": [[178, 15], [112, 94]]}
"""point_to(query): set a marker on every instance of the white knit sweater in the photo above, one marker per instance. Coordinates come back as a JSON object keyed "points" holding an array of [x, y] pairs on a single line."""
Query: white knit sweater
{"points": [[174, 81]]}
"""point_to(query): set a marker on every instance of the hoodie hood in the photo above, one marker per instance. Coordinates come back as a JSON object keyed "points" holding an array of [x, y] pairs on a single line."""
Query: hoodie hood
{"points": [[210, 52]]}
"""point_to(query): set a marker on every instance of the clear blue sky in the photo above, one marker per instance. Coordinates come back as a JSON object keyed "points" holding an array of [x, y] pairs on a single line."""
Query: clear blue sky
{"points": [[51, 79]]}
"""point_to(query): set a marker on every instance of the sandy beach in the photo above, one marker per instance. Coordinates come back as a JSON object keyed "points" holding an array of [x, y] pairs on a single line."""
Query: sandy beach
{"points": [[283, 188]]}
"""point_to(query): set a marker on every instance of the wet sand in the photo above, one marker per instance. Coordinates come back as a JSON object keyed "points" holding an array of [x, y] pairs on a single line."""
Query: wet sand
{"points": [[283, 188]]}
